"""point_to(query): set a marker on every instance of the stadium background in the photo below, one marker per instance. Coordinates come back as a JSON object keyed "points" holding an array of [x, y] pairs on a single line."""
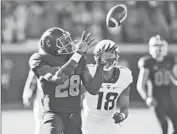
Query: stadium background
{"points": [[23, 23]]}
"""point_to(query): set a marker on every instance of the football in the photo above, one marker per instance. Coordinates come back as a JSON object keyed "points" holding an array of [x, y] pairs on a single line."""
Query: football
{"points": [[116, 15]]}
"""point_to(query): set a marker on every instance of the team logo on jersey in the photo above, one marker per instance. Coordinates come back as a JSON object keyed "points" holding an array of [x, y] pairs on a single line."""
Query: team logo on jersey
{"points": [[108, 86]]}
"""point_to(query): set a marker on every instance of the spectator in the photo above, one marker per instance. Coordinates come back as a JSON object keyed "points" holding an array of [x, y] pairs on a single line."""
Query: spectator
{"points": [[145, 19], [173, 21], [35, 19], [49, 15], [157, 23], [20, 14], [8, 22], [96, 31], [133, 26], [8, 29]]}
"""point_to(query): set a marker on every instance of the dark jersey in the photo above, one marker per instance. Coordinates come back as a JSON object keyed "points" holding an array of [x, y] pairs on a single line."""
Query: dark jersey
{"points": [[63, 97], [159, 72]]}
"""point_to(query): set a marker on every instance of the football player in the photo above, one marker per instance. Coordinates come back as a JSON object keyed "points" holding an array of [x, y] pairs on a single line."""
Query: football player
{"points": [[155, 81], [101, 114], [32, 91], [60, 67]]}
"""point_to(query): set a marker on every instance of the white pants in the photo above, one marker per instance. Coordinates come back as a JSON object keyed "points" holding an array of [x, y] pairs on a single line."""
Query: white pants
{"points": [[37, 115], [93, 125]]}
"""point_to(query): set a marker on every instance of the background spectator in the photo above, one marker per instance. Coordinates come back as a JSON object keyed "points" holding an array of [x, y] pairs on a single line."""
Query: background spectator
{"points": [[28, 20]]}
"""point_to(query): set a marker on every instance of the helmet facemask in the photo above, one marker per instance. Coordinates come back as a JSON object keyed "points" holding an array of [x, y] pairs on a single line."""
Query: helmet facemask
{"points": [[65, 44], [112, 61]]}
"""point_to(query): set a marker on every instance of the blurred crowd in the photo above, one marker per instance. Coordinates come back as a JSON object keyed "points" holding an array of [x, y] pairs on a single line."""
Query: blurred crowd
{"points": [[22, 21]]}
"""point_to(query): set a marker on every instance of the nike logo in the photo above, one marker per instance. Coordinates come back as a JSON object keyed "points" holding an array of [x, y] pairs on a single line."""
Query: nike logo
{"points": [[108, 86], [115, 87]]}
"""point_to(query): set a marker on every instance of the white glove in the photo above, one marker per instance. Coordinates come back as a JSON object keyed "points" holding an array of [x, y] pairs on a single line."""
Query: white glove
{"points": [[151, 102]]}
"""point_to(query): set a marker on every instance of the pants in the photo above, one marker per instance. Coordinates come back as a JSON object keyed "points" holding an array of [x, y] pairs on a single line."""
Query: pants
{"points": [[37, 111], [164, 110], [61, 123]]}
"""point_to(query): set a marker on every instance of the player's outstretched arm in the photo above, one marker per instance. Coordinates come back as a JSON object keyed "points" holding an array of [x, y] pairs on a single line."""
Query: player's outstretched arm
{"points": [[57, 75], [143, 80], [93, 84], [67, 69], [60, 74], [29, 89]]}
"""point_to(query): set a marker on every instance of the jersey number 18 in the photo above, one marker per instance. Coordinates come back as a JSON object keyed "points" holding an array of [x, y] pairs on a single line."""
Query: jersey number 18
{"points": [[110, 100]]}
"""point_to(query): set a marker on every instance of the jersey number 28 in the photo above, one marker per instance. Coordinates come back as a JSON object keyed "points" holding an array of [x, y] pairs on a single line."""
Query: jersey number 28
{"points": [[70, 87], [110, 100]]}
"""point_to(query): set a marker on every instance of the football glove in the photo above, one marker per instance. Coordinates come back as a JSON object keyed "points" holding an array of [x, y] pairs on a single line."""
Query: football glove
{"points": [[85, 43], [105, 54], [27, 100], [119, 117], [151, 102]]}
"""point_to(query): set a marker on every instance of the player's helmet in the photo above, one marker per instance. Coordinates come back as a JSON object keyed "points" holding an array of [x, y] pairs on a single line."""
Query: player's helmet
{"points": [[112, 59], [56, 41], [157, 46]]}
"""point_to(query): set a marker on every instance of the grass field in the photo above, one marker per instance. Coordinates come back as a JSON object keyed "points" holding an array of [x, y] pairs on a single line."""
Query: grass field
{"points": [[140, 121]]}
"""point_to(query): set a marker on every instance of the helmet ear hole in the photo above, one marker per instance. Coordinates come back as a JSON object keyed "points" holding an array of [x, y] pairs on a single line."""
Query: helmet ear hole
{"points": [[47, 41]]}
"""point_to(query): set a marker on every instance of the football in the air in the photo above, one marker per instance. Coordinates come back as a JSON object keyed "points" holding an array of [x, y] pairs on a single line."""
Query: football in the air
{"points": [[116, 15]]}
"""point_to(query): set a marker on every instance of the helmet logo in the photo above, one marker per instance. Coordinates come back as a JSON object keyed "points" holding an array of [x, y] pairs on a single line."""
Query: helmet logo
{"points": [[48, 43]]}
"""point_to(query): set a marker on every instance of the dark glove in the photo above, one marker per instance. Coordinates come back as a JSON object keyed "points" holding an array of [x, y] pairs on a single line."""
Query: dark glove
{"points": [[119, 117]]}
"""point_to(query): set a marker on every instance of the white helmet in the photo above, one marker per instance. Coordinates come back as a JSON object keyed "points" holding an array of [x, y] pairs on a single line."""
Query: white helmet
{"points": [[157, 46], [104, 44]]}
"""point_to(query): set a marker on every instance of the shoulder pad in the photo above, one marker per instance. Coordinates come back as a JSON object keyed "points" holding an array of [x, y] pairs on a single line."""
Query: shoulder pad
{"points": [[127, 73], [125, 69], [35, 60], [170, 57]]}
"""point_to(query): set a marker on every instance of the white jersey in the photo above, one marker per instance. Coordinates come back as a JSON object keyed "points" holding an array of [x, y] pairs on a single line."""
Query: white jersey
{"points": [[100, 108]]}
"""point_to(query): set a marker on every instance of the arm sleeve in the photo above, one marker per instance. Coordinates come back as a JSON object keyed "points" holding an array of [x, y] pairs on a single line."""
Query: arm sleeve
{"points": [[143, 63], [93, 83]]}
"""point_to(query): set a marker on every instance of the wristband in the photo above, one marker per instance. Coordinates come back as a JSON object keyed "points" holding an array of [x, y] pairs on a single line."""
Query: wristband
{"points": [[76, 57]]}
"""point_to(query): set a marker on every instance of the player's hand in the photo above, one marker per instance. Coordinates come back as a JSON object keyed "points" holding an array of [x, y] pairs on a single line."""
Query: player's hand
{"points": [[151, 102], [106, 54], [119, 117], [26, 101], [85, 43]]}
